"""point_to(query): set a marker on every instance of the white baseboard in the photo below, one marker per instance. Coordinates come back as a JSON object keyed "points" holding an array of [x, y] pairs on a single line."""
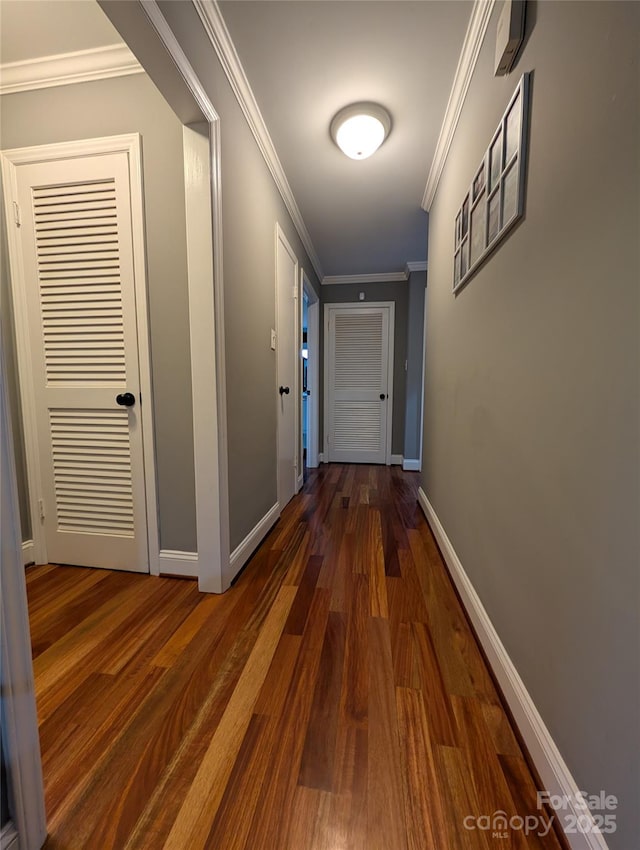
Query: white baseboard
{"points": [[396, 460], [320, 458], [9, 837], [551, 767], [411, 465], [27, 552], [175, 563], [300, 482], [245, 550]]}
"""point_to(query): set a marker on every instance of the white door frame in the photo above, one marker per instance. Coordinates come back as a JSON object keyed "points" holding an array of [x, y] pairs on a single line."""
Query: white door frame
{"points": [[211, 563], [359, 305], [206, 324], [313, 370], [21, 745], [130, 145], [297, 335]]}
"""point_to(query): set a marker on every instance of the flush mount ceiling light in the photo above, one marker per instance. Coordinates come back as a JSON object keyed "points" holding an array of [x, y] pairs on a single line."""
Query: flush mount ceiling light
{"points": [[360, 129]]}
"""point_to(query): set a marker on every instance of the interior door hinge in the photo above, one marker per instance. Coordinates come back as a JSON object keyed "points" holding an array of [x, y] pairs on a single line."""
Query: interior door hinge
{"points": [[16, 213], [41, 508]]}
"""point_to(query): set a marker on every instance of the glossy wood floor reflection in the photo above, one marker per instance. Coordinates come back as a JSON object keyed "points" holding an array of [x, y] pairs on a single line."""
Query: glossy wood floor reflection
{"points": [[334, 698]]}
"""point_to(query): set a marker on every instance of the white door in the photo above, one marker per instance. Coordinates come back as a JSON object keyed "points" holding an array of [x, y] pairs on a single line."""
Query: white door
{"points": [[360, 366], [76, 247], [287, 357]]}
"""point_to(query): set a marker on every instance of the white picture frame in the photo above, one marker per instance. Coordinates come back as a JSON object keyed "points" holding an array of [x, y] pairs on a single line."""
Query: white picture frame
{"points": [[494, 201]]}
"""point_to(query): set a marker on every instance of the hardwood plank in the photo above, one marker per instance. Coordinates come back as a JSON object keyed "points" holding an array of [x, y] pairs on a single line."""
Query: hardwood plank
{"points": [[272, 818], [459, 801], [200, 806], [543, 835], [437, 699], [379, 606], [386, 823], [355, 691], [300, 609], [424, 813], [489, 784], [316, 770]]}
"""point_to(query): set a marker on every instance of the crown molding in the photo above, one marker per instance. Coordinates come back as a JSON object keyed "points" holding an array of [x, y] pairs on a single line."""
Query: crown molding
{"points": [[415, 266], [63, 69], [219, 36], [474, 37], [383, 277]]}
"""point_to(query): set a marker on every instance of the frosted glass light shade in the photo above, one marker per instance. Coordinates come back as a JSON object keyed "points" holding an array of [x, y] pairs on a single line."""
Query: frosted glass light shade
{"points": [[360, 129]]}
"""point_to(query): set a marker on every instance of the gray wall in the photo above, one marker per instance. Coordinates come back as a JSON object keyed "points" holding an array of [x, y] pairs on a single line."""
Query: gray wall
{"points": [[251, 207], [126, 105], [415, 338], [531, 411], [399, 294]]}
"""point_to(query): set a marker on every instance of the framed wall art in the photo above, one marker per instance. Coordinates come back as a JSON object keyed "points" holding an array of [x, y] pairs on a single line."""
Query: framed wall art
{"points": [[495, 199]]}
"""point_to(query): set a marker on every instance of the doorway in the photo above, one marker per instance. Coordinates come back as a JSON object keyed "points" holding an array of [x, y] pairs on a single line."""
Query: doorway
{"points": [[78, 263], [359, 382]]}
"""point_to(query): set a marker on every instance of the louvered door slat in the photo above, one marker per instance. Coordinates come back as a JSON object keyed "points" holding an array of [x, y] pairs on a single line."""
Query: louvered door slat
{"points": [[78, 254], [75, 291]]}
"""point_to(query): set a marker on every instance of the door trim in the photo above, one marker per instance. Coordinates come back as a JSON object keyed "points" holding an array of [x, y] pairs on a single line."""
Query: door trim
{"points": [[359, 305], [280, 237], [19, 721], [313, 373], [206, 325], [131, 145]]}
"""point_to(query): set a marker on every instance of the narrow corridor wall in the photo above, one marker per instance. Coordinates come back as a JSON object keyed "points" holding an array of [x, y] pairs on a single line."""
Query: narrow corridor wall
{"points": [[531, 434]]}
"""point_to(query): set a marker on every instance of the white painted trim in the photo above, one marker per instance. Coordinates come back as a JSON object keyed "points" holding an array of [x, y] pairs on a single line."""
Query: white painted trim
{"points": [[20, 742], [378, 277], [396, 460], [282, 239], [27, 552], [9, 837], [474, 37], [382, 277], [418, 266], [328, 307], [24, 364], [144, 347], [220, 38], [254, 538], [175, 563], [548, 761], [411, 465], [129, 144], [300, 482], [320, 457], [313, 372], [424, 376], [207, 350], [63, 69]]}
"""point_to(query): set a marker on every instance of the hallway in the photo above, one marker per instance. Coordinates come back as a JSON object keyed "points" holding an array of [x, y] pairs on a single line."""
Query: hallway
{"points": [[334, 698]]}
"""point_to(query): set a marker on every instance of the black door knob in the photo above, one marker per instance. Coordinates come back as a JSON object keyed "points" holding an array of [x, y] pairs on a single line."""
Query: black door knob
{"points": [[382, 396], [126, 399], [284, 390]]}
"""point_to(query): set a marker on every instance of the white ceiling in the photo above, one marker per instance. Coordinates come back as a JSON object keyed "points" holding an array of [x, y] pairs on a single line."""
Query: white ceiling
{"points": [[305, 60]]}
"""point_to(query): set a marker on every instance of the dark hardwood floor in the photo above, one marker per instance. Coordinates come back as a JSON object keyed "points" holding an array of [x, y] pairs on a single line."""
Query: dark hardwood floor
{"points": [[333, 699]]}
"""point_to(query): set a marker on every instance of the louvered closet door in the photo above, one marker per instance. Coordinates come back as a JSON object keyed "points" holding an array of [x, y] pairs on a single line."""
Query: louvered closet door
{"points": [[359, 414], [78, 260]]}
